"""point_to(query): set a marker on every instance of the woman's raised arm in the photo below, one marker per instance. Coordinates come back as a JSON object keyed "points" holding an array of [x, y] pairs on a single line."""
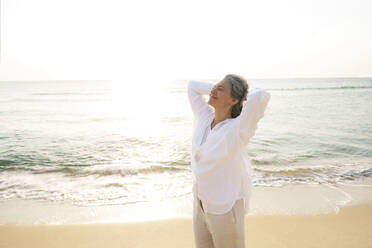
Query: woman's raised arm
{"points": [[252, 111], [196, 90]]}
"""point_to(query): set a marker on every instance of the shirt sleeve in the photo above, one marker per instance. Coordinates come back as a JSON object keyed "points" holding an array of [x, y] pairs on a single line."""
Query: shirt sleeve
{"points": [[196, 90], [252, 111]]}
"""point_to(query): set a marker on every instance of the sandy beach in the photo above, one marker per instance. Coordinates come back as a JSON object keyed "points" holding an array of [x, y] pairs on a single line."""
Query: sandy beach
{"points": [[350, 227]]}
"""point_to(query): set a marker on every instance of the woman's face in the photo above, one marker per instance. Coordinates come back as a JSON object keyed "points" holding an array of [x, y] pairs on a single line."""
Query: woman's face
{"points": [[220, 97]]}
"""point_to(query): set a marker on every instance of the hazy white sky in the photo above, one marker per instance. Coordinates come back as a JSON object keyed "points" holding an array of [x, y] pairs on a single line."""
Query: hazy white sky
{"points": [[170, 39]]}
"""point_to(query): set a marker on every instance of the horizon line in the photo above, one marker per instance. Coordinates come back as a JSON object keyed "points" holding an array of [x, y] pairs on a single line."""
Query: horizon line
{"points": [[56, 80]]}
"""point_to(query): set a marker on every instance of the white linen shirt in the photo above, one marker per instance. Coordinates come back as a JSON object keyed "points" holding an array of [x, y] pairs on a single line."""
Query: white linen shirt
{"points": [[221, 167]]}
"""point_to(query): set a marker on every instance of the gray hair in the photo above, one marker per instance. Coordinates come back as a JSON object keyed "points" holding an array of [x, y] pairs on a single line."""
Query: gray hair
{"points": [[238, 90]]}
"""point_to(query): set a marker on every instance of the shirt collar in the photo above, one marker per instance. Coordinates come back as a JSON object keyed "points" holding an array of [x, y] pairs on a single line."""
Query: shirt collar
{"points": [[218, 124]]}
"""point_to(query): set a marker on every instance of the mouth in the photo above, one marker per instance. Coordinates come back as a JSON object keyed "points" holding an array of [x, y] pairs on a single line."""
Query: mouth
{"points": [[212, 97]]}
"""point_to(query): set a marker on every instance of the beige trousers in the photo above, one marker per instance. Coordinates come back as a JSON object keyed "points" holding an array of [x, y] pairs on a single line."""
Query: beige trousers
{"points": [[219, 230]]}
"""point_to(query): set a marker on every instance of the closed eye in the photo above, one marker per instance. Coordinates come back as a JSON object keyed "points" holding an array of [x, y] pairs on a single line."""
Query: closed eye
{"points": [[218, 87]]}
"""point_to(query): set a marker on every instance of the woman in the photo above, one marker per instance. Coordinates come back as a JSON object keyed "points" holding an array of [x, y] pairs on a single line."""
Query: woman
{"points": [[221, 167]]}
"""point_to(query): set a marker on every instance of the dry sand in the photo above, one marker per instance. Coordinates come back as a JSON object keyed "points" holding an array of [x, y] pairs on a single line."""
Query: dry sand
{"points": [[351, 227]]}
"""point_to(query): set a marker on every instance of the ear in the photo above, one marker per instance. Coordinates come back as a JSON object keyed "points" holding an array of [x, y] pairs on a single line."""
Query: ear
{"points": [[234, 101]]}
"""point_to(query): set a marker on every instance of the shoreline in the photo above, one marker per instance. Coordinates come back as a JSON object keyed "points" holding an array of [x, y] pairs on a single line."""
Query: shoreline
{"points": [[350, 227], [298, 200], [286, 200]]}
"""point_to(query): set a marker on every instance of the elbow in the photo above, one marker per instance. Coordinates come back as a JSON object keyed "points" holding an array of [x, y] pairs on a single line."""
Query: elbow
{"points": [[265, 96], [190, 88], [190, 85]]}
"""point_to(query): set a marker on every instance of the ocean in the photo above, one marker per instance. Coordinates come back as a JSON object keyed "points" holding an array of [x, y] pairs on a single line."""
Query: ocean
{"points": [[114, 143]]}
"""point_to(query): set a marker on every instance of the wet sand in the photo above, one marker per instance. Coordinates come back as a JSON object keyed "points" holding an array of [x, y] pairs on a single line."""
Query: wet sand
{"points": [[350, 227]]}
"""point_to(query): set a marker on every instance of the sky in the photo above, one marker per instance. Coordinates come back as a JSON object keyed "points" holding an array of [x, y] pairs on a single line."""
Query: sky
{"points": [[178, 40]]}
